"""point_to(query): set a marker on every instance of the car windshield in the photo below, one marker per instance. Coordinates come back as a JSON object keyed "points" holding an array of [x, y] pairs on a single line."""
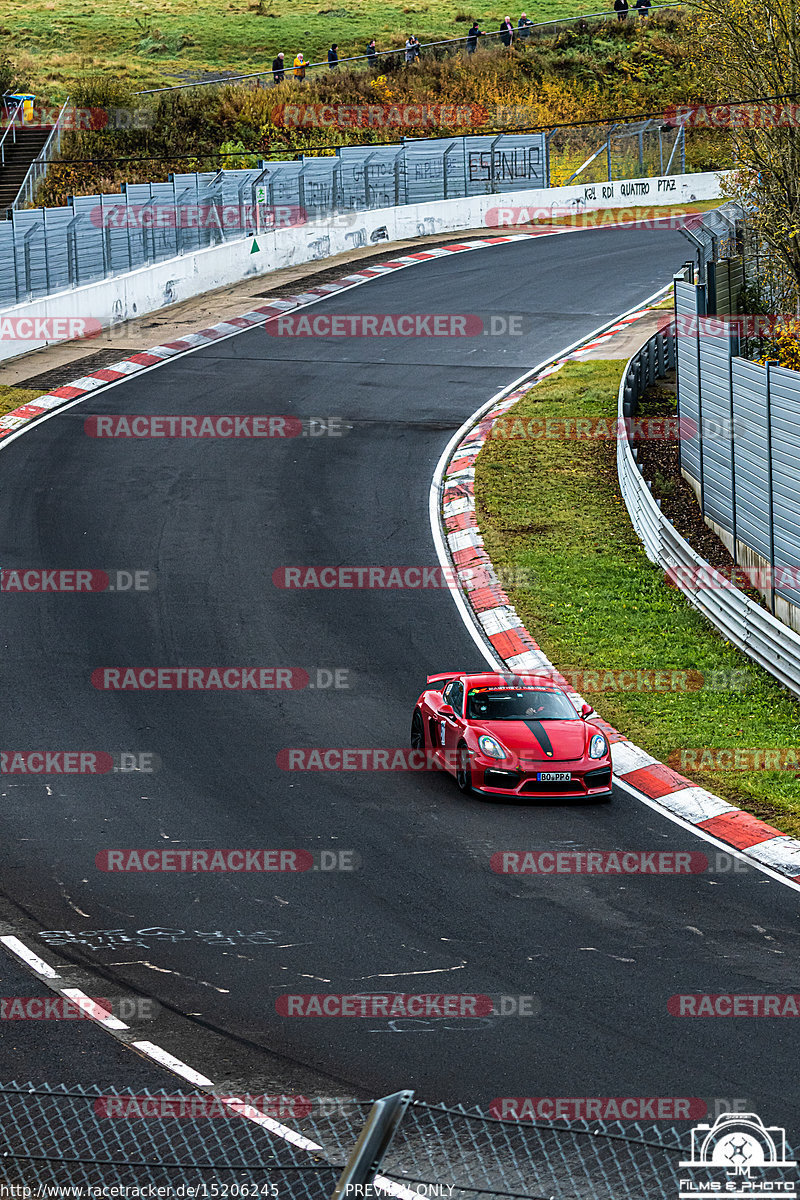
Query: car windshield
{"points": [[528, 704]]}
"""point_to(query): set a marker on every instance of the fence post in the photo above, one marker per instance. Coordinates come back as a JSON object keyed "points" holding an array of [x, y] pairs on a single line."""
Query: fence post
{"points": [[770, 502], [685, 275], [700, 291], [493, 187], [46, 254], [547, 139], [373, 1142], [445, 164], [608, 156], [733, 350], [128, 224]]}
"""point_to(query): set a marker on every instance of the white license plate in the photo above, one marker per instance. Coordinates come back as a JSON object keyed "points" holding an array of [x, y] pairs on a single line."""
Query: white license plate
{"points": [[554, 776]]}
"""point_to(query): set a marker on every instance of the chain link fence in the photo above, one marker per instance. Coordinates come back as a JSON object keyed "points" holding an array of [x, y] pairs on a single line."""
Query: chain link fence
{"points": [[56, 1136]]}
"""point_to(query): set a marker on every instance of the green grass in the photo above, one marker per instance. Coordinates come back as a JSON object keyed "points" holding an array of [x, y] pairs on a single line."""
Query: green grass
{"points": [[159, 41], [552, 508], [11, 398]]}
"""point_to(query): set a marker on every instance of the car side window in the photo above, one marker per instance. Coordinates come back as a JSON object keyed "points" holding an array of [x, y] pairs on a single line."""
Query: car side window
{"points": [[456, 697], [447, 693]]}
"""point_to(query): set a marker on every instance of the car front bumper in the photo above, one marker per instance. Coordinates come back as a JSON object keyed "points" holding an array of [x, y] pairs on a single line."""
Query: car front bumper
{"points": [[592, 783]]}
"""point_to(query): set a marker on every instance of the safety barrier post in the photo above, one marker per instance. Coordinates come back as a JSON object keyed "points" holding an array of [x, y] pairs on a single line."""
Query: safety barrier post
{"points": [[373, 1142]]}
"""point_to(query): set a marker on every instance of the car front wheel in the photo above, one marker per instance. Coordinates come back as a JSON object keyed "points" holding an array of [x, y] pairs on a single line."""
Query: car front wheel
{"points": [[417, 732], [464, 770]]}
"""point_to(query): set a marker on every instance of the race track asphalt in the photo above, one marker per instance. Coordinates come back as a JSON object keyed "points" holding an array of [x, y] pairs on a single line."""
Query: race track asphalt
{"points": [[423, 913]]}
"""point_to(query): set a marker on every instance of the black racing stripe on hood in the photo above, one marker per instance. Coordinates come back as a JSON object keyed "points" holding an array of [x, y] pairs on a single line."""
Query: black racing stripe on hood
{"points": [[540, 733]]}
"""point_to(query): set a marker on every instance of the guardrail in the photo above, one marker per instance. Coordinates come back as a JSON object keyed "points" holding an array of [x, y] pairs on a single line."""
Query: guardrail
{"points": [[761, 636], [38, 168], [11, 128]]}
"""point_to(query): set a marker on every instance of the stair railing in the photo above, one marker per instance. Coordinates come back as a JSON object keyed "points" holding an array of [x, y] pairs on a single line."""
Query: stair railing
{"points": [[38, 168], [7, 142]]}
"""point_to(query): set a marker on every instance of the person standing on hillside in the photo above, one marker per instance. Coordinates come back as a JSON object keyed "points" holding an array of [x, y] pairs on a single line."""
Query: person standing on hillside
{"points": [[410, 51], [333, 57], [507, 32], [372, 51], [278, 70], [472, 37], [524, 27], [300, 66], [621, 9]]}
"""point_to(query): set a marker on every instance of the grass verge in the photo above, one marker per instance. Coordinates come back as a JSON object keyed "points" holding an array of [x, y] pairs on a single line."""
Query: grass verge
{"points": [[552, 509], [15, 397]]}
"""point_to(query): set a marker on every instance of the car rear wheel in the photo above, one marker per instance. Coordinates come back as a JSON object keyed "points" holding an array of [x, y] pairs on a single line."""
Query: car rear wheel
{"points": [[464, 770], [417, 732]]}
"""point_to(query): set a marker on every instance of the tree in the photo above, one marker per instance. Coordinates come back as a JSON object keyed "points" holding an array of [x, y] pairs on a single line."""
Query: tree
{"points": [[744, 50]]}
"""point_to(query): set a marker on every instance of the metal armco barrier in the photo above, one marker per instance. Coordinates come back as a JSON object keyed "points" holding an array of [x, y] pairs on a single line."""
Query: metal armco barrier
{"points": [[760, 635]]}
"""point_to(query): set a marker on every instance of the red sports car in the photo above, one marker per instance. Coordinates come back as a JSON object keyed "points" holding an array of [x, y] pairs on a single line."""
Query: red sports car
{"points": [[511, 735]]}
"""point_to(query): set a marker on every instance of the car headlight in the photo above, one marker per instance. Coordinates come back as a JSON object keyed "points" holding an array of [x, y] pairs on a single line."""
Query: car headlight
{"points": [[597, 746], [491, 747]]}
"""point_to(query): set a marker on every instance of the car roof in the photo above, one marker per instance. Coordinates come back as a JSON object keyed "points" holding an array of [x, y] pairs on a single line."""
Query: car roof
{"points": [[511, 679]]}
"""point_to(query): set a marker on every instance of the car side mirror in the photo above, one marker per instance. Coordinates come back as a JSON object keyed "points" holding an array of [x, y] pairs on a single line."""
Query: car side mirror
{"points": [[586, 711], [447, 710]]}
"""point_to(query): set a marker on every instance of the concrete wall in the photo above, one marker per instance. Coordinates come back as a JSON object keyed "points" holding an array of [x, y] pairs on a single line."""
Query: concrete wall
{"points": [[124, 297]]}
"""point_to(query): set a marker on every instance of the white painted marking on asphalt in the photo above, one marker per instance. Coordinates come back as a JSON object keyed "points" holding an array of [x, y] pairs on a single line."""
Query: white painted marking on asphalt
{"points": [[704, 836], [696, 804], [32, 960], [778, 852], [259, 1118], [172, 1063], [434, 507], [94, 1010], [627, 757]]}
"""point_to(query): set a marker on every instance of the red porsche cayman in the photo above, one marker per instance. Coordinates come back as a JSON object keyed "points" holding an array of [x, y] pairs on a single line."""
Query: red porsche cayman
{"points": [[511, 735]]}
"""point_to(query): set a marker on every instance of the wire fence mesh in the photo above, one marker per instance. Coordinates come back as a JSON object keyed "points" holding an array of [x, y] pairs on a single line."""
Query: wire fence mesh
{"points": [[56, 1136]]}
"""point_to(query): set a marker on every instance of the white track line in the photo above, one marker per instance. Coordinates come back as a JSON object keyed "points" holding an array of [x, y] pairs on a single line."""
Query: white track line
{"points": [[473, 628], [465, 611], [29, 958], [37, 964]]}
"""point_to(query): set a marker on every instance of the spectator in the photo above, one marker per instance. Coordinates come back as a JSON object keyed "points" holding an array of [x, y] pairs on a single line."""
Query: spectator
{"points": [[507, 32], [472, 37], [643, 8], [621, 9], [412, 49], [524, 26], [278, 71], [300, 65], [372, 51], [417, 45], [333, 57]]}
